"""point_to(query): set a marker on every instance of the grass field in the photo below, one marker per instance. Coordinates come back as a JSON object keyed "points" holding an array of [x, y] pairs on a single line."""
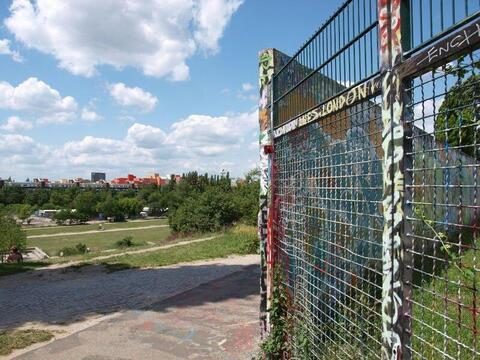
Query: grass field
{"points": [[446, 312], [240, 240], [88, 227], [19, 339], [101, 241]]}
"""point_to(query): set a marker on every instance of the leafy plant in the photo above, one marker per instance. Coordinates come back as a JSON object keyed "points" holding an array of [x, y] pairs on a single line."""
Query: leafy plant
{"points": [[11, 234], [125, 242], [445, 246], [78, 249], [277, 346]]}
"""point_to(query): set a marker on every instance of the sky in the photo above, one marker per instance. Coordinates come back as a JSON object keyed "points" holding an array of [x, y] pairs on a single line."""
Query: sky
{"points": [[124, 86]]}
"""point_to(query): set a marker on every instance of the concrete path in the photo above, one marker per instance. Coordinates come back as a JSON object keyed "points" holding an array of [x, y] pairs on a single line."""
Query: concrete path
{"points": [[67, 295], [95, 231], [217, 320]]}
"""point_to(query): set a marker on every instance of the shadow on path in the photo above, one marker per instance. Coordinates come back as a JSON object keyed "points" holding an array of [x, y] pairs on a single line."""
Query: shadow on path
{"points": [[216, 320], [67, 295]]}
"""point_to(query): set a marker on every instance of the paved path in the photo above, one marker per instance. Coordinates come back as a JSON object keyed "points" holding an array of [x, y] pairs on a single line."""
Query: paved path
{"points": [[217, 320], [66, 295], [95, 231]]}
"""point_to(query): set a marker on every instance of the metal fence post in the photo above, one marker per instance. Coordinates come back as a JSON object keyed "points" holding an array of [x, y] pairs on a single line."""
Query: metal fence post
{"points": [[393, 318], [266, 70]]}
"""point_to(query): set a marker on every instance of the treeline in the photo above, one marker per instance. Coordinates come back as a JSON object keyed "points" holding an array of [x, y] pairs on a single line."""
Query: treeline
{"points": [[195, 203]]}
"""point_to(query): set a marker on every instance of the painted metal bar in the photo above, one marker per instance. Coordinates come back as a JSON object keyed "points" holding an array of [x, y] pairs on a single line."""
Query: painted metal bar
{"points": [[266, 70], [393, 178], [329, 60], [357, 94], [460, 41]]}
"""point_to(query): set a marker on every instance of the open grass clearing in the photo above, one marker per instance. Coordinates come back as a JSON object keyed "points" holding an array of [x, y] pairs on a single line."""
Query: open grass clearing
{"points": [[238, 241], [138, 228], [19, 339], [101, 241], [89, 227]]}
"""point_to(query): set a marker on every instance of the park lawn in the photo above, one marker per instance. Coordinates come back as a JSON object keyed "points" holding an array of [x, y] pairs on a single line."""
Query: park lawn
{"points": [[444, 321], [19, 339], [88, 227], [241, 240], [101, 241]]}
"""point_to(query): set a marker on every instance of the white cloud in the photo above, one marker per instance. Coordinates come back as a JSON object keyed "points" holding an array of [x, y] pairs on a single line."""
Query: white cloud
{"points": [[209, 135], [15, 124], [91, 116], [146, 136], [37, 98], [155, 36], [426, 113], [246, 92], [6, 50], [247, 87], [211, 18], [198, 142], [132, 96]]}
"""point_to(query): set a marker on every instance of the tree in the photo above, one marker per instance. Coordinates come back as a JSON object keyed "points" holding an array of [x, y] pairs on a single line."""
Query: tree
{"points": [[209, 211], [245, 198], [24, 212], [38, 197], [85, 204], [110, 208], [62, 216], [130, 206], [458, 120], [11, 234], [60, 198]]}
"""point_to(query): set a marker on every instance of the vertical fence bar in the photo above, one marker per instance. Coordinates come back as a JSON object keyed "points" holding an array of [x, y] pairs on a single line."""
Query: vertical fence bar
{"points": [[266, 70], [393, 319], [407, 270]]}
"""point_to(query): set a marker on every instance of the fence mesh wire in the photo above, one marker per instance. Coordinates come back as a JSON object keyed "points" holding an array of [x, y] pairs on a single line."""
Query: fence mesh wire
{"points": [[427, 19], [443, 187], [340, 54], [328, 192], [327, 185]]}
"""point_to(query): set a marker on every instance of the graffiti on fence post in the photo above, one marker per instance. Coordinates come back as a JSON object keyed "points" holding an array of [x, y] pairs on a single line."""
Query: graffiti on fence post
{"points": [[393, 178], [266, 68]]}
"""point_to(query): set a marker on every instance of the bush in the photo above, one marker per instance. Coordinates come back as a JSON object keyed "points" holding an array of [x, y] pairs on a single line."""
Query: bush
{"points": [[125, 242], [210, 211], [11, 234], [250, 243], [78, 249]]}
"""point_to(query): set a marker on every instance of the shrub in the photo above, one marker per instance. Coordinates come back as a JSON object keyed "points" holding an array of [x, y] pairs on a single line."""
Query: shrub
{"points": [[78, 249], [125, 242], [11, 234], [249, 242], [210, 211]]}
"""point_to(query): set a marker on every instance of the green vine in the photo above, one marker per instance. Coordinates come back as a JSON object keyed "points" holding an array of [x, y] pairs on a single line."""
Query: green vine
{"points": [[455, 258], [277, 346]]}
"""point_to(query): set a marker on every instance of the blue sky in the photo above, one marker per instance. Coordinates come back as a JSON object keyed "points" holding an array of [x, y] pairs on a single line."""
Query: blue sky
{"points": [[160, 85]]}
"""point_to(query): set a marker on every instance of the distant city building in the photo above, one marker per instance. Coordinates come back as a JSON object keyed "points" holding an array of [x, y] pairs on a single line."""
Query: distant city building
{"points": [[98, 176], [153, 179]]}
